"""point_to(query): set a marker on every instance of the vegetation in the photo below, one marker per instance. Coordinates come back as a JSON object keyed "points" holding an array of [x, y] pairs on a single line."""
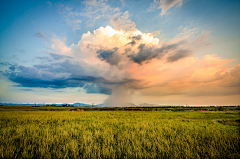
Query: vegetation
{"points": [[118, 134], [67, 108]]}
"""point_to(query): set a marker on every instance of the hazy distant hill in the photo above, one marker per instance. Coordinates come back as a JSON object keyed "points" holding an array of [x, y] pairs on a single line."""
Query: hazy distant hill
{"points": [[147, 105], [50, 104]]}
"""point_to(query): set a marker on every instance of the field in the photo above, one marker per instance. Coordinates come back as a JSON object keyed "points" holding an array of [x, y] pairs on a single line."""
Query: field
{"points": [[118, 134]]}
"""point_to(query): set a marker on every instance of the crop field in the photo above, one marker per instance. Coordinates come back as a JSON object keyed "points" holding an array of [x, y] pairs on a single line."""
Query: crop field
{"points": [[119, 134]]}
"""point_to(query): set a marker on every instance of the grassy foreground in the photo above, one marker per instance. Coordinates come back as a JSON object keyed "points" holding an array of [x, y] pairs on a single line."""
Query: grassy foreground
{"points": [[119, 134]]}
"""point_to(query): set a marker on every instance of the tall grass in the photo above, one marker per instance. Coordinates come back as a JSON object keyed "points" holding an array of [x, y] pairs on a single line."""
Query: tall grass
{"points": [[119, 134]]}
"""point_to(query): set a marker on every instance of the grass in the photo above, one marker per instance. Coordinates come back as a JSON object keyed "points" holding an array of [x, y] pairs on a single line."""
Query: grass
{"points": [[119, 134]]}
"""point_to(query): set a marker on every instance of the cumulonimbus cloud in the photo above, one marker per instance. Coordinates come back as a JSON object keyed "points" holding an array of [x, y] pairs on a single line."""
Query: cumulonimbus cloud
{"points": [[109, 60]]}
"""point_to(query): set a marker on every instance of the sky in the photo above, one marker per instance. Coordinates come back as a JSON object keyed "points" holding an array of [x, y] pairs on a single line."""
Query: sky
{"points": [[165, 52]]}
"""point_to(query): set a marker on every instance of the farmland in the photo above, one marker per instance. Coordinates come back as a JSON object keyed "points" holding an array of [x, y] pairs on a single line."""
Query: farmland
{"points": [[28, 132]]}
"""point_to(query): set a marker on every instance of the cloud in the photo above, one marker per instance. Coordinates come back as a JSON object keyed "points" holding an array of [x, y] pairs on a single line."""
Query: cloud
{"points": [[60, 47], [120, 62], [59, 57], [53, 57], [95, 10], [165, 5], [122, 21], [39, 35], [114, 56], [50, 3], [27, 89], [122, 3], [109, 56], [72, 18], [5, 63], [13, 67], [45, 59], [50, 76], [146, 47], [137, 37], [22, 51], [197, 77], [57, 47], [180, 54], [151, 63], [94, 88], [92, 2], [73, 22], [147, 53], [59, 75]]}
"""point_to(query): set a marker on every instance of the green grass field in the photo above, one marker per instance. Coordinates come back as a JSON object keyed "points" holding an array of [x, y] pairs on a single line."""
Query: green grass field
{"points": [[118, 134]]}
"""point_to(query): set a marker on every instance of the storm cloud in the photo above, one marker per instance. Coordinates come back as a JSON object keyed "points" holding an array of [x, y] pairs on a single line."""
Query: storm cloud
{"points": [[120, 63], [109, 56], [60, 75], [146, 53], [180, 54], [56, 75]]}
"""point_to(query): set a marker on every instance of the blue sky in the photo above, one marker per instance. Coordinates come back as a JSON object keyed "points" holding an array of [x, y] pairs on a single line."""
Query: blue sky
{"points": [[99, 51]]}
